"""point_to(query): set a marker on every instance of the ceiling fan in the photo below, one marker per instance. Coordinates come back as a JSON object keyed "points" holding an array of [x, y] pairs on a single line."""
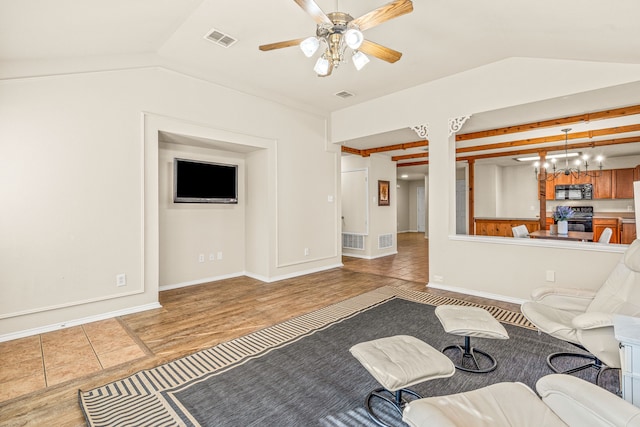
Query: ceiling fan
{"points": [[338, 30]]}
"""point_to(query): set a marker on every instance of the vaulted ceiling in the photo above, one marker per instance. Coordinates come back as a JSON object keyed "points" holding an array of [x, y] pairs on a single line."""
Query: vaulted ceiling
{"points": [[439, 38]]}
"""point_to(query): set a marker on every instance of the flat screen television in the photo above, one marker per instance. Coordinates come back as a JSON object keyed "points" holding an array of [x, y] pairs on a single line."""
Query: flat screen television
{"points": [[195, 181]]}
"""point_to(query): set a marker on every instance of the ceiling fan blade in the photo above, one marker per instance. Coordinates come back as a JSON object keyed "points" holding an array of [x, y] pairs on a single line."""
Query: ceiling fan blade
{"points": [[280, 45], [316, 13], [383, 13], [379, 51]]}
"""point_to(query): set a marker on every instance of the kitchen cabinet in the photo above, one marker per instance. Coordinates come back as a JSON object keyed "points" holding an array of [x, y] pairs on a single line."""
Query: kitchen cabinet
{"points": [[599, 224], [628, 234], [622, 183], [602, 185], [609, 184], [503, 226], [562, 179]]}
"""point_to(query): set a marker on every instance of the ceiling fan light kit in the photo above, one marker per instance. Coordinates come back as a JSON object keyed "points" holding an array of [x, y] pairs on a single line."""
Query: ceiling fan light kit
{"points": [[359, 60], [337, 31], [309, 46]]}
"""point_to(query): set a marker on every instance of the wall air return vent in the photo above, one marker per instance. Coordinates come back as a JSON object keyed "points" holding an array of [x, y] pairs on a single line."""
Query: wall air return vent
{"points": [[353, 241], [385, 241], [344, 94], [220, 38]]}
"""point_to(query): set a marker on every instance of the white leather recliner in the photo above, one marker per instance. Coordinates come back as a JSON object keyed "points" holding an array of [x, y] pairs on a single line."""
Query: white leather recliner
{"points": [[566, 401], [585, 317]]}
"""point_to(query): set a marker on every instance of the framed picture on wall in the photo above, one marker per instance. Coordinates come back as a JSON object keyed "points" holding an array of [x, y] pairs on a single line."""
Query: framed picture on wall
{"points": [[383, 193]]}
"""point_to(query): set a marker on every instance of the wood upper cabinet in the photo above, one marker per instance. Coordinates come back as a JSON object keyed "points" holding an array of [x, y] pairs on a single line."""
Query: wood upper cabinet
{"points": [[551, 189], [609, 184], [582, 179], [602, 185], [622, 183]]}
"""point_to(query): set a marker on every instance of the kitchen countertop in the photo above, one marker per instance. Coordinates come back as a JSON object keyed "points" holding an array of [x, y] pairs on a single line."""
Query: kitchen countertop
{"points": [[505, 218]]}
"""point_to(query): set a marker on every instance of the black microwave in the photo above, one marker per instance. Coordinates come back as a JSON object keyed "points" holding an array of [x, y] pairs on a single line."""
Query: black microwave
{"points": [[574, 192]]}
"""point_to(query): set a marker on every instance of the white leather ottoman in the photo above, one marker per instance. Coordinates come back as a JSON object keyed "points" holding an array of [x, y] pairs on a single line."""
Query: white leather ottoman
{"points": [[399, 362], [471, 322]]}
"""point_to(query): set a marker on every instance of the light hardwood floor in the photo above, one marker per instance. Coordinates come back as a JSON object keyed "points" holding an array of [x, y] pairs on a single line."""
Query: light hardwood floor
{"points": [[201, 316]]}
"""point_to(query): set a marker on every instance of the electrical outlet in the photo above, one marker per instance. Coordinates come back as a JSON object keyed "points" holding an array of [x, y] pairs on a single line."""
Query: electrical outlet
{"points": [[306, 251], [437, 278], [201, 258], [121, 279], [212, 257], [219, 255], [551, 276]]}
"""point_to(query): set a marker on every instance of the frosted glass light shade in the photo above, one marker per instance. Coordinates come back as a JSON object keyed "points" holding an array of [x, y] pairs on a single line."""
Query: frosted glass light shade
{"points": [[359, 60], [309, 46], [353, 38], [322, 66]]}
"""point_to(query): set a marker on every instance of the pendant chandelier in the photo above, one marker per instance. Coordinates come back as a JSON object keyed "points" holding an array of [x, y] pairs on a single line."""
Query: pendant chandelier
{"points": [[575, 171]]}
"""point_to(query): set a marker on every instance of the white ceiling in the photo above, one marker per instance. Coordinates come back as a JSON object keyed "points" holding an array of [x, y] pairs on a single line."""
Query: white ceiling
{"points": [[439, 38]]}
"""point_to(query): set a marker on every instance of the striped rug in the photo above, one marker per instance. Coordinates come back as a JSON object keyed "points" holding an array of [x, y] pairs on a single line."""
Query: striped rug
{"points": [[138, 400]]}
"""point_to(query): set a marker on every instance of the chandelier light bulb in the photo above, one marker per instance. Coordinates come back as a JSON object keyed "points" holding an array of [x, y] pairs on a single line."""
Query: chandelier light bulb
{"points": [[359, 60], [309, 46], [353, 38], [322, 66]]}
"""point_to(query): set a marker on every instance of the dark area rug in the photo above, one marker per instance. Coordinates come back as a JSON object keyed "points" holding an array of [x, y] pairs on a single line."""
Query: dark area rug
{"points": [[314, 380]]}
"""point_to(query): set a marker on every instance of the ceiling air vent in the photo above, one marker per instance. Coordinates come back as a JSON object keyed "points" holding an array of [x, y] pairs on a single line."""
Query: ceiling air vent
{"points": [[220, 38], [344, 94]]}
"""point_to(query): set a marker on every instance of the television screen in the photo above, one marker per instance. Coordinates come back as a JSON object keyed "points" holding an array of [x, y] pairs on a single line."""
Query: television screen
{"points": [[195, 181]]}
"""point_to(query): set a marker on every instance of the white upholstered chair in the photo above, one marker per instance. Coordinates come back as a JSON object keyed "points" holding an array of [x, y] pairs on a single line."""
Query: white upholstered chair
{"points": [[605, 236], [520, 231], [566, 401], [584, 317]]}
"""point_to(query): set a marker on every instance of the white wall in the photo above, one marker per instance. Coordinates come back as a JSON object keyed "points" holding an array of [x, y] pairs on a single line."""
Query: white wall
{"points": [[492, 267], [190, 229], [80, 172]]}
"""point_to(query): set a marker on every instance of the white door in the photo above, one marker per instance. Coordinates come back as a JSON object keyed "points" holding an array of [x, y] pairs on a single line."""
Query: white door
{"points": [[421, 209], [355, 205]]}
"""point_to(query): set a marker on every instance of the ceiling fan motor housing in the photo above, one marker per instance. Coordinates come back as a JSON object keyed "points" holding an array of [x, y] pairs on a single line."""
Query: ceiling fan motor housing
{"points": [[333, 35]]}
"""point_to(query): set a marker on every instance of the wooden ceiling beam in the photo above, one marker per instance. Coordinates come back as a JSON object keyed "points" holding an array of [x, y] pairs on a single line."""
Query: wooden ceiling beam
{"points": [[548, 139], [409, 156], [536, 150], [425, 162], [587, 117], [404, 146], [350, 150]]}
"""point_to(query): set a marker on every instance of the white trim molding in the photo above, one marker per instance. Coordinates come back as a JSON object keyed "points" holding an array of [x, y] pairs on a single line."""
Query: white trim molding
{"points": [[455, 124], [422, 130], [76, 322]]}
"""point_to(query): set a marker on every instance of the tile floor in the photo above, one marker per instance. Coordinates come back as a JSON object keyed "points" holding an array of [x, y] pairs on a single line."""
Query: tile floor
{"points": [[410, 263], [39, 361]]}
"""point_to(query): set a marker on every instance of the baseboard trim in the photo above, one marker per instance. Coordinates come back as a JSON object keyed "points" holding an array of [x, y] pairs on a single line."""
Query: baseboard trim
{"points": [[77, 322], [199, 281], [292, 275], [475, 293], [259, 277], [370, 257]]}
